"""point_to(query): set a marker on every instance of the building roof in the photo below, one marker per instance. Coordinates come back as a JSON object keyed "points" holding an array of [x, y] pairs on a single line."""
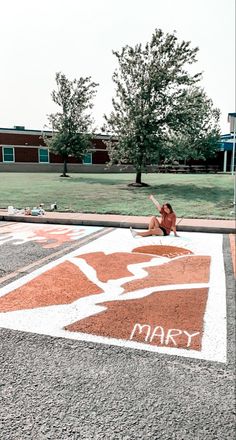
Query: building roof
{"points": [[20, 129], [226, 142]]}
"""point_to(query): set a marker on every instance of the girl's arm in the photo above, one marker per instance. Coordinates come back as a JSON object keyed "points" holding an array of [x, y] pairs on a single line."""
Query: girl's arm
{"points": [[174, 230], [156, 203], [173, 227]]}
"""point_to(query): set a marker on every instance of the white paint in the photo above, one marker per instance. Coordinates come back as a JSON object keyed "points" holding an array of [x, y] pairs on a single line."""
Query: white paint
{"points": [[140, 329], [170, 335], [159, 333], [23, 233], [215, 314], [51, 320], [190, 336]]}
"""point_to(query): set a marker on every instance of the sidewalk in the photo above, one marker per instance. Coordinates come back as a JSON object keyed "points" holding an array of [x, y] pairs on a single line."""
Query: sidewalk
{"points": [[120, 221]]}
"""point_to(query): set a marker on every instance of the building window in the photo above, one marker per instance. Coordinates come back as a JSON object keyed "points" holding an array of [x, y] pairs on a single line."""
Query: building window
{"points": [[8, 154], [87, 159], [43, 155]]}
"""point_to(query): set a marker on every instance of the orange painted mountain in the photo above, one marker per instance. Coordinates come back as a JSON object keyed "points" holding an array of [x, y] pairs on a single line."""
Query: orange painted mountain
{"points": [[173, 318], [113, 266], [62, 284]]}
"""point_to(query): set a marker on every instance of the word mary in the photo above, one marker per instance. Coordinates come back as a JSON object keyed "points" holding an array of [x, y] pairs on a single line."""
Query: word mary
{"points": [[159, 336]]}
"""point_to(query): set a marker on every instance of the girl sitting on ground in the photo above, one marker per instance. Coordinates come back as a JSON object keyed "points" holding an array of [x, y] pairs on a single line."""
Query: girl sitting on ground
{"points": [[162, 227]]}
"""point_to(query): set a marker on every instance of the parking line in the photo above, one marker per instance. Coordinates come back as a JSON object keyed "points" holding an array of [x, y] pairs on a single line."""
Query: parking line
{"points": [[78, 244]]}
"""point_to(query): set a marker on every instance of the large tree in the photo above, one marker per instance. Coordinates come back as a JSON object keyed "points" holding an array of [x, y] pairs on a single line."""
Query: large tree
{"points": [[199, 138], [156, 97], [72, 125]]}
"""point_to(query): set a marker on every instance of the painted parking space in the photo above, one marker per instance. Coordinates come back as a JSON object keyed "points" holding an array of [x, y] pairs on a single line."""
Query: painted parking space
{"points": [[24, 245], [165, 295], [46, 236]]}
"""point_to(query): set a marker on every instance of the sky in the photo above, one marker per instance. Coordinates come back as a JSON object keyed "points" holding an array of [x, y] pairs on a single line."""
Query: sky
{"points": [[76, 37]]}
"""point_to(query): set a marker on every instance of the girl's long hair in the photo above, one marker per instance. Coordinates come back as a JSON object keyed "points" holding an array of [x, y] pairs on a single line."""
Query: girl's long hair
{"points": [[168, 206]]}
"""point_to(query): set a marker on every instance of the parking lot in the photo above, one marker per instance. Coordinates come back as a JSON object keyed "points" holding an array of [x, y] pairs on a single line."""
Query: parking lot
{"points": [[109, 336]]}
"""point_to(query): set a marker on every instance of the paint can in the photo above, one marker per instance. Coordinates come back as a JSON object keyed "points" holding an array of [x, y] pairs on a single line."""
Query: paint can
{"points": [[10, 210]]}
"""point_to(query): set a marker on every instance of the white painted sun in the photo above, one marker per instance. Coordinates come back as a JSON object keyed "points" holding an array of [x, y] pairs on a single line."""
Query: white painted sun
{"points": [[52, 320]]}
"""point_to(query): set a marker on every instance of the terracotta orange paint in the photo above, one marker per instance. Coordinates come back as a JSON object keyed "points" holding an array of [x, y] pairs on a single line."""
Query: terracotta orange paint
{"points": [[162, 251], [113, 266], [192, 269], [63, 284], [177, 309], [53, 236]]}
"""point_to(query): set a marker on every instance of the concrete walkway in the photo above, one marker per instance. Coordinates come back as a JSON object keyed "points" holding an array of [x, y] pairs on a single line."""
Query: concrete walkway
{"points": [[121, 221]]}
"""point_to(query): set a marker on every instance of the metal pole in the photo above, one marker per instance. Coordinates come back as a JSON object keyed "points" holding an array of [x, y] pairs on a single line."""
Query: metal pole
{"points": [[233, 167], [225, 162], [233, 152], [234, 202]]}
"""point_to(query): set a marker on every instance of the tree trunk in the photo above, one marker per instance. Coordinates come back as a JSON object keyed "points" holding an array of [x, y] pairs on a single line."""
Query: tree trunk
{"points": [[65, 168], [138, 182], [138, 177]]}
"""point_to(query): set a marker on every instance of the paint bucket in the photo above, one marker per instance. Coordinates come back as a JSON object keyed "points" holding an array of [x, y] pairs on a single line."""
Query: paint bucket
{"points": [[34, 212], [10, 210]]}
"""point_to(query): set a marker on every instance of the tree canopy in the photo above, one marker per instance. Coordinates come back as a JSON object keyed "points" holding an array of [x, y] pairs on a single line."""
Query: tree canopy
{"points": [[157, 100], [72, 125], [199, 138]]}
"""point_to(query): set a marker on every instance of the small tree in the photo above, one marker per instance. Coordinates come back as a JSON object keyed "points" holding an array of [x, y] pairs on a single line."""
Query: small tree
{"points": [[72, 125], [152, 88]]}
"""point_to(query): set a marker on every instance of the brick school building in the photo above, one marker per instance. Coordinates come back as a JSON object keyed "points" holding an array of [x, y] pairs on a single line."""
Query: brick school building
{"points": [[24, 150]]}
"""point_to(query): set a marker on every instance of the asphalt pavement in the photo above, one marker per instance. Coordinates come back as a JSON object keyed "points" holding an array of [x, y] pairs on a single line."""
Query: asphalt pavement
{"points": [[61, 389]]}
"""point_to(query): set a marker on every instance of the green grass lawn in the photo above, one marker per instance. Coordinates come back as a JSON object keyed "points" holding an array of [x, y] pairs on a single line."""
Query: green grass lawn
{"points": [[199, 195]]}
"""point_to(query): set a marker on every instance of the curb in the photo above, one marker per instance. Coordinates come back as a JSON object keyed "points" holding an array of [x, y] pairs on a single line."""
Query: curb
{"points": [[115, 224]]}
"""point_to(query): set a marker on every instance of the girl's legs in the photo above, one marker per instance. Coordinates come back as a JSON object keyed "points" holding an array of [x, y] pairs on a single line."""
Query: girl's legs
{"points": [[153, 223], [153, 229], [156, 231]]}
